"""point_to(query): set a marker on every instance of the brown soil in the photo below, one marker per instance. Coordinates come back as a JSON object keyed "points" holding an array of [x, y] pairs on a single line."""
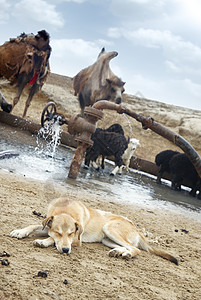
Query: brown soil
{"points": [[90, 272]]}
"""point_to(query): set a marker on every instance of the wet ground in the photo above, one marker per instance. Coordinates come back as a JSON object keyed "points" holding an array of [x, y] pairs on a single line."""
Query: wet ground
{"points": [[39, 160]]}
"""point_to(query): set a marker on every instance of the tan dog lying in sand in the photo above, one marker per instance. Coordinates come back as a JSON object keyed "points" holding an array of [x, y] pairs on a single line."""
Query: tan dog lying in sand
{"points": [[71, 222]]}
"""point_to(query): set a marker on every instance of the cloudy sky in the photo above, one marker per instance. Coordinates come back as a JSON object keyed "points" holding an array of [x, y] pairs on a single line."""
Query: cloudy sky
{"points": [[158, 41]]}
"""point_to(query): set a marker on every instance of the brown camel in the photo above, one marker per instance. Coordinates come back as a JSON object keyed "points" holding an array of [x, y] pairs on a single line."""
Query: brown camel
{"points": [[98, 82], [25, 60]]}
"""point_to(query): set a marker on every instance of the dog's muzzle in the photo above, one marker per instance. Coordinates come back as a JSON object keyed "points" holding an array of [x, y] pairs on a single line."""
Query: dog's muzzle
{"points": [[65, 250]]}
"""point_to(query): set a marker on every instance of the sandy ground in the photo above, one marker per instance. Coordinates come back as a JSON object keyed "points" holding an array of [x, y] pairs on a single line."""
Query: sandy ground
{"points": [[89, 271]]}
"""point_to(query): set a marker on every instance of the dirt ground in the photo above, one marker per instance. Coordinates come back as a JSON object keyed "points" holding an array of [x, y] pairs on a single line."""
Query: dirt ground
{"points": [[89, 272]]}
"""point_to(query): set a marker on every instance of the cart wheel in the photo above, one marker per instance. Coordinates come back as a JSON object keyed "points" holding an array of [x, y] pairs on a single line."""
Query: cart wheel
{"points": [[48, 113]]}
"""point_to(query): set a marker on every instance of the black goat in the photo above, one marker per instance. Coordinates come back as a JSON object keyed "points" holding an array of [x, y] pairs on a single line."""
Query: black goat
{"points": [[107, 143], [162, 159], [115, 128], [182, 169]]}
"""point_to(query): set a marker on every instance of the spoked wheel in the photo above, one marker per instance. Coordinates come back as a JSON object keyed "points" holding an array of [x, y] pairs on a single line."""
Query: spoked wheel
{"points": [[48, 113]]}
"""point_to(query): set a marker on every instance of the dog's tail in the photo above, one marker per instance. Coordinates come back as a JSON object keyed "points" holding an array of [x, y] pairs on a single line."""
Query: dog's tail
{"points": [[144, 246]]}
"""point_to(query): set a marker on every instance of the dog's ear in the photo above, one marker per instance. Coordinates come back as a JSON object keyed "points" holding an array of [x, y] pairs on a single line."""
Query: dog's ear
{"points": [[48, 222], [79, 229]]}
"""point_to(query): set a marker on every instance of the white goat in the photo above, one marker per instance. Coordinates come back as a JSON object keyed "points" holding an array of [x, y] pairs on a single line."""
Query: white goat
{"points": [[133, 144]]}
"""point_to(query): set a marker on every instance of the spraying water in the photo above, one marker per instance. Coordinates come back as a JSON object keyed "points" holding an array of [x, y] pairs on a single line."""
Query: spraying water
{"points": [[51, 133], [129, 124]]}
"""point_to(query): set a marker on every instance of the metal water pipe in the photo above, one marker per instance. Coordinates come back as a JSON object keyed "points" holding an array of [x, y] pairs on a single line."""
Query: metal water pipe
{"points": [[148, 122], [82, 128]]}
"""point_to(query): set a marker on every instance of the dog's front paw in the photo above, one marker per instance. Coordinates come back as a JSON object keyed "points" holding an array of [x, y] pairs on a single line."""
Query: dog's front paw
{"points": [[39, 243], [120, 251], [19, 233], [127, 254], [116, 252]]}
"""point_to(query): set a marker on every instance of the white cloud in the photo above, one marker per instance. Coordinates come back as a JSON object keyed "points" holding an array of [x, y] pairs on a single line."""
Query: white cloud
{"points": [[69, 56], [77, 46], [192, 87], [158, 3], [171, 44], [185, 55], [190, 10], [61, 1], [41, 11], [4, 11], [149, 37], [139, 83], [114, 32], [169, 13], [171, 66], [137, 10], [181, 92]]}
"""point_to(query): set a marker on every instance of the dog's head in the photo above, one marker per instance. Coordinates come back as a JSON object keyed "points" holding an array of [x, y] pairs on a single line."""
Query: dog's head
{"points": [[64, 230]]}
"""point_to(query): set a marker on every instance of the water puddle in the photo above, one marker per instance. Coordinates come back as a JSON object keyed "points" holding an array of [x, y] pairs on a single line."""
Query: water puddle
{"points": [[42, 161]]}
